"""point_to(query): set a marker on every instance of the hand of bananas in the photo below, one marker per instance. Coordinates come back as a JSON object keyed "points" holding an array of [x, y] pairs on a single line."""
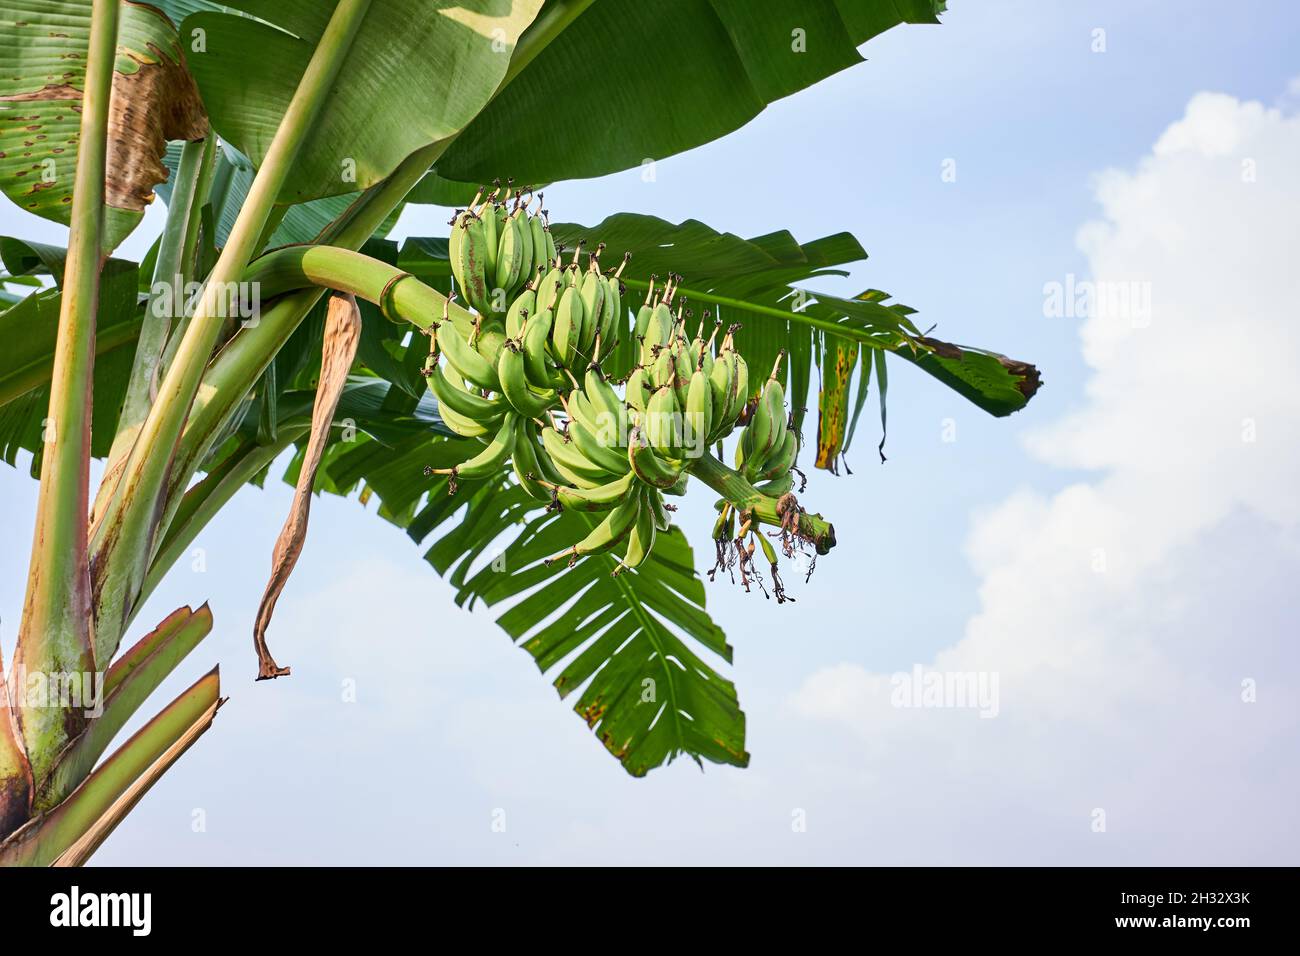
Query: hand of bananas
{"points": [[527, 381]]}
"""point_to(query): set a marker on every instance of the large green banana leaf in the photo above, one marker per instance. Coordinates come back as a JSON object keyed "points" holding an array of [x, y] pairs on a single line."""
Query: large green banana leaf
{"points": [[625, 645], [418, 71], [42, 74], [631, 81], [29, 329]]}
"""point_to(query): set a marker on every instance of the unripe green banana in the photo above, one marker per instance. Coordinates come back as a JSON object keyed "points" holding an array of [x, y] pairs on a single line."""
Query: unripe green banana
{"points": [[469, 260], [649, 467], [491, 238], [782, 458], [514, 384], [526, 466], [777, 486], [464, 426], [524, 304], [490, 460], [772, 403], [609, 534], [699, 414], [739, 397], [610, 410], [655, 502], [601, 498], [722, 380], [663, 369], [567, 328], [461, 401], [636, 389], [641, 540], [510, 255], [661, 420], [659, 331], [571, 463], [540, 253], [683, 371], [465, 358], [612, 318], [527, 259], [537, 331], [548, 292], [551, 252], [592, 293], [599, 455]]}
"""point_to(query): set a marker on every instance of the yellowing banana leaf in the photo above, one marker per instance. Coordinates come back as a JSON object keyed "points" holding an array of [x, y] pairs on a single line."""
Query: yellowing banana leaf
{"points": [[42, 76]]}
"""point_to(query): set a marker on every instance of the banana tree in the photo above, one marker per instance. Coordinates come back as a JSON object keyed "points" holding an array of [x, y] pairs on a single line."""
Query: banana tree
{"points": [[273, 318]]}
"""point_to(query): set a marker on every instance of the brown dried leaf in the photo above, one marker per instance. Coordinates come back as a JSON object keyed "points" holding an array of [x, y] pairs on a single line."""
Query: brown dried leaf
{"points": [[342, 332]]}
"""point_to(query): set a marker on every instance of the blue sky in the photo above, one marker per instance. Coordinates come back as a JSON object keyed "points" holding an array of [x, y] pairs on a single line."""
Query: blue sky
{"points": [[1119, 554]]}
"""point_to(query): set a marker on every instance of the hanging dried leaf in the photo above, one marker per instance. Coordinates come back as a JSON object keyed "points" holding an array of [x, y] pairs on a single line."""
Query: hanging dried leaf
{"points": [[342, 332]]}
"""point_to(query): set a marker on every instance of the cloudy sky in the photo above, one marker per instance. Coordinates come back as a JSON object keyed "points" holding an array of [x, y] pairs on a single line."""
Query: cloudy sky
{"points": [[1114, 567]]}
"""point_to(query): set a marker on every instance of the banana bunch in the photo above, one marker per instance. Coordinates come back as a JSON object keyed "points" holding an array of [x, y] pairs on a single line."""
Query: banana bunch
{"points": [[498, 247], [768, 446], [582, 310], [593, 472], [686, 398], [530, 387]]}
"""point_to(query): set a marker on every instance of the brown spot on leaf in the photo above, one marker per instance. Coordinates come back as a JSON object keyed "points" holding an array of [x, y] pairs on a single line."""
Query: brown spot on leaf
{"points": [[156, 103], [1030, 379]]}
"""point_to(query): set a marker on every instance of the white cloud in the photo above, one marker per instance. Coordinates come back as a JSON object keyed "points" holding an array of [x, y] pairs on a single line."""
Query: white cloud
{"points": [[1123, 612]]}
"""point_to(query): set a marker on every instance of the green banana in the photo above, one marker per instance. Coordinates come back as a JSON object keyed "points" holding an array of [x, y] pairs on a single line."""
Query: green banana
{"points": [[524, 304], [490, 460], [525, 463], [468, 251], [514, 384], [491, 237], [548, 292], [538, 241], [569, 461], [641, 540], [567, 330], [592, 293], [655, 500], [510, 255], [698, 423], [537, 330], [777, 486], [464, 358], [461, 400], [599, 455], [608, 534], [649, 467], [781, 459], [661, 420], [601, 498]]}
